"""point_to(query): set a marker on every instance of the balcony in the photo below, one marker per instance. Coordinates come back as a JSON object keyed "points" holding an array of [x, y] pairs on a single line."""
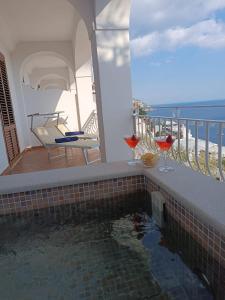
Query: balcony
{"points": [[78, 65], [192, 146]]}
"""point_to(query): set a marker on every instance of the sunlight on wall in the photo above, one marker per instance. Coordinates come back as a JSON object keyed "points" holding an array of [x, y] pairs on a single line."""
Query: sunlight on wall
{"points": [[67, 104], [114, 47], [49, 101], [113, 13]]}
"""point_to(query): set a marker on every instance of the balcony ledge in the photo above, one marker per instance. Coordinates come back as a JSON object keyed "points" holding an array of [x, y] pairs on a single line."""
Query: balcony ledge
{"points": [[202, 194]]}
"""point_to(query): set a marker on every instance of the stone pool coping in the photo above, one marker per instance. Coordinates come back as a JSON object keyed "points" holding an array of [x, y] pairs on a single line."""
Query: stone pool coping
{"points": [[202, 194]]}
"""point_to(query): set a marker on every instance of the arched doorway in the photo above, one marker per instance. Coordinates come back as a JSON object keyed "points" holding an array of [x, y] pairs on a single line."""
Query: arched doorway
{"points": [[48, 86]]}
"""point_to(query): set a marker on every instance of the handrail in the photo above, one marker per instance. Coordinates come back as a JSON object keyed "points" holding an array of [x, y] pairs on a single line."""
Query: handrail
{"points": [[198, 153], [186, 106], [183, 119], [91, 124], [48, 115]]}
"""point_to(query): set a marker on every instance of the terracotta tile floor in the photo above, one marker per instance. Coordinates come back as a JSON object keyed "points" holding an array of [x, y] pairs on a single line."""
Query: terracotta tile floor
{"points": [[36, 159]]}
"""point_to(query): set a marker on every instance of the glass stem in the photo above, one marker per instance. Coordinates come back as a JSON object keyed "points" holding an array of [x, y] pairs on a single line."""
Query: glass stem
{"points": [[165, 159], [133, 153]]}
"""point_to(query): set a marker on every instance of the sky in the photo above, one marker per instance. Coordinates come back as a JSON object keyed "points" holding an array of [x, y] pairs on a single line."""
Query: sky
{"points": [[178, 50]]}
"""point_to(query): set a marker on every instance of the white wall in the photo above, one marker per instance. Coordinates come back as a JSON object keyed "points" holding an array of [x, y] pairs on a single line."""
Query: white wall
{"points": [[86, 100], [51, 100], [26, 100], [111, 64], [112, 14], [85, 8], [83, 65], [19, 55]]}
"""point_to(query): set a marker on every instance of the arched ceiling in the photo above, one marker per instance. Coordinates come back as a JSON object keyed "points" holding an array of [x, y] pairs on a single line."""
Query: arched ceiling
{"points": [[37, 20], [53, 80], [44, 61], [53, 83], [46, 66], [31, 21]]}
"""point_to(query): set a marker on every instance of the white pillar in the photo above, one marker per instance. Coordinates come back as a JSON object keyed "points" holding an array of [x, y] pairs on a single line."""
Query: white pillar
{"points": [[111, 65], [84, 93], [83, 65]]}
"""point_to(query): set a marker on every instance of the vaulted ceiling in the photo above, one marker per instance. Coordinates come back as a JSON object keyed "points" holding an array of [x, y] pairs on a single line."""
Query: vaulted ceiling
{"points": [[36, 20]]}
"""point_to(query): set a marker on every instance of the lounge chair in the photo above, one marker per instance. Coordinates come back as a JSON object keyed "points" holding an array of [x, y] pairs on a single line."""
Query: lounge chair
{"points": [[80, 134], [48, 136]]}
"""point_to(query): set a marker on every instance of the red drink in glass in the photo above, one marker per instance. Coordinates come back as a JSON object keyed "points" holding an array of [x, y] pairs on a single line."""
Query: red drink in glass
{"points": [[165, 143], [132, 142]]}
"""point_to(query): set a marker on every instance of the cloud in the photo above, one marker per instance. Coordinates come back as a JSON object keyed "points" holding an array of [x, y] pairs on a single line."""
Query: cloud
{"points": [[204, 34], [151, 15], [159, 63], [155, 63]]}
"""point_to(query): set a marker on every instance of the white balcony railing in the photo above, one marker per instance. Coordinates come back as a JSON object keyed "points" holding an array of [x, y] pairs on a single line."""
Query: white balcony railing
{"points": [[91, 124], [190, 148]]}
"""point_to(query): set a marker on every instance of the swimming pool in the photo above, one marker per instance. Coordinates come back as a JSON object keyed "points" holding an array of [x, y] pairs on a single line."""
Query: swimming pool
{"points": [[112, 249]]}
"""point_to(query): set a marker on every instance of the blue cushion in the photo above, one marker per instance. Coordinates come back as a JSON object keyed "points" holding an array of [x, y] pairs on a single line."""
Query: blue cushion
{"points": [[66, 139], [69, 133]]}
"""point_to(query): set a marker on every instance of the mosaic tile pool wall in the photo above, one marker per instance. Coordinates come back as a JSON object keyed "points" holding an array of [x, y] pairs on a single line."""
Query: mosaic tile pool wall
{"points": [[115, 253], [202, 244], [17, 203], [202, 241]]}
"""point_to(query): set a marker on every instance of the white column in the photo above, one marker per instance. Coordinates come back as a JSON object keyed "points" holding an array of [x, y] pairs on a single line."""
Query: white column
{"points": [[111, 65], [83, 65], [84, 92]]}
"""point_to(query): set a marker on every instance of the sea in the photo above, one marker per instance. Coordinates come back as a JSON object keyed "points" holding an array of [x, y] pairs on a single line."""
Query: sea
{"points": [[208, 113]]}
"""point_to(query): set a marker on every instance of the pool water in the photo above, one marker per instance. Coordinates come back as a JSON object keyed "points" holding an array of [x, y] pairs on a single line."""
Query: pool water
{"points": [[113, 253]]}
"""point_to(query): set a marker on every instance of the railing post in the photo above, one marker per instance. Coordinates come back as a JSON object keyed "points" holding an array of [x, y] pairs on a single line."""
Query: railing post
{"points": [[207, 148], [220, 140], [135, 116]]}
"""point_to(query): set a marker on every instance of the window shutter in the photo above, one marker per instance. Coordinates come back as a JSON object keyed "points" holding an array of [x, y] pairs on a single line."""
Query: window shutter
{"points": [[7, 116]]}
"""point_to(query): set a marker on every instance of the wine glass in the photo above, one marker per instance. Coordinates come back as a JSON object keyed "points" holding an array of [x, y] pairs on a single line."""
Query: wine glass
{"points": [[132, 142], [165, 143]]}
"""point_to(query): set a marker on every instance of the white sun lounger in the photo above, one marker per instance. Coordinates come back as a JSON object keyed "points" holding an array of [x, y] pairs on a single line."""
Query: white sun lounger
{"points": [[86, 136], [47, 136]]}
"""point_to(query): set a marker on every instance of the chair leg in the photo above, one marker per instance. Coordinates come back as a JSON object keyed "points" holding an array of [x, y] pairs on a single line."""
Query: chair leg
{"points": [[85, 153], [66, 153], [49, 154]]}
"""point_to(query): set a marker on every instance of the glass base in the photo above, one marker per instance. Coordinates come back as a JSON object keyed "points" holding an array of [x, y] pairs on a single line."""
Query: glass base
{"points": [[166, 169], [133, 162]]}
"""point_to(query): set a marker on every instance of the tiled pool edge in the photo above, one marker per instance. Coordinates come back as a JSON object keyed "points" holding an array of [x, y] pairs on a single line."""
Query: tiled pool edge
{"points": [[206, 234], [17, 203]]}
